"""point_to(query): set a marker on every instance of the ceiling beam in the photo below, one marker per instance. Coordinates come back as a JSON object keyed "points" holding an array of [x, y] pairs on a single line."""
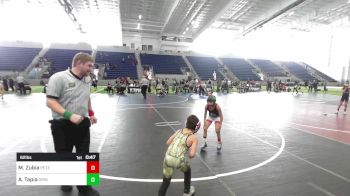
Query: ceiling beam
{"points": [[289, 5], [127, 33], [330, 12], [135, 21], [142, 24], [182, 16], [223, 7], [176, 3], [229, 21], [141, 29]]}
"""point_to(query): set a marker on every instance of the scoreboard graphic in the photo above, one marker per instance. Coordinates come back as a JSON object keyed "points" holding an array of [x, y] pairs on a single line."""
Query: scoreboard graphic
{"points": [[58, 169]]}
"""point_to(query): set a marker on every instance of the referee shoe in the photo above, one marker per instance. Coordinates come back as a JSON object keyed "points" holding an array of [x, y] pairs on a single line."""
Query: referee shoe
{"points": [[89, 192], [66, 188]]}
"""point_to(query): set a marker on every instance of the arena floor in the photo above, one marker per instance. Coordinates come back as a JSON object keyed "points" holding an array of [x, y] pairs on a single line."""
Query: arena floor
{"points": [[273, 144]]}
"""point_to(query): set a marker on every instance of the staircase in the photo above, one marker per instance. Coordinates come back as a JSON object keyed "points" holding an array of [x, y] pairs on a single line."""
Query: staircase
{"points": [[312, 72], [256, 68], [139, 65], [101, 72], [292, 77], [35, 61], [94, 53], [228, 74], [190, 66]]}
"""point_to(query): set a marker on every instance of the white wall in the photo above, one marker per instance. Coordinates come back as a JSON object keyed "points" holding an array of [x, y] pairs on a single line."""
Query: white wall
{"points": [[21, 44], [141, 40], [78, 46], [155, 41], [114, 49], [174, 46]]}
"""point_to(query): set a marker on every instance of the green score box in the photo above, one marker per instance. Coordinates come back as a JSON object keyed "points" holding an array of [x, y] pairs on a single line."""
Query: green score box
{"points": [[93, 179]]}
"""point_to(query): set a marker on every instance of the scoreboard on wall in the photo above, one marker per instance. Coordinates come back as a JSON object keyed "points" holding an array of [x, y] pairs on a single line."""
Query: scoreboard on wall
{"points": [[58, 169]]}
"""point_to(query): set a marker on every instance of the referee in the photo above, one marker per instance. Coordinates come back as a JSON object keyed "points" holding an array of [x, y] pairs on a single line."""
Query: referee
{"points": [[144, 84], [68, 96]]}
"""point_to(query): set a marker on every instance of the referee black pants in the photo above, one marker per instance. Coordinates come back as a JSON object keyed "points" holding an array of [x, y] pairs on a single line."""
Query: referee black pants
{"points": [[144, 90], [67, 135]]}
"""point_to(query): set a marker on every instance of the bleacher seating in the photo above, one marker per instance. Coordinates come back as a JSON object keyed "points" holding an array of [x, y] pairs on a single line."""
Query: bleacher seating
{"points": [[299, 71], [61, 59], [321, 74], [241, 68], [120, 64], [269, 68], [205, 67], [16, 58], [163, 64]]}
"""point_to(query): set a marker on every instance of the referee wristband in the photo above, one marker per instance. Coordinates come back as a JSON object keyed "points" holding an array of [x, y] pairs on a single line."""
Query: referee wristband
{"points": [[91, 113], [67, 115]]}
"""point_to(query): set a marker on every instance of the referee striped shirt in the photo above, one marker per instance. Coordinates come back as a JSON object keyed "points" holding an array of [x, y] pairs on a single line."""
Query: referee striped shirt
{"points": [[70, 91]]}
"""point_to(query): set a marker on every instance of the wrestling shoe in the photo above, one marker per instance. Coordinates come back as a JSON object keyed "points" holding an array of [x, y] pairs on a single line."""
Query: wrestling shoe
{"points": [[192, 192], [204, 146], [219, 147]]}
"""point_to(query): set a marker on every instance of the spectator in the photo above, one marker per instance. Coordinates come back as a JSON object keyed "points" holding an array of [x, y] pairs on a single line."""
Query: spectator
{"points": [[109, 88], [20, 82], [325, 86], [5, 85], [269, 85], [11, 83], [94, 83], [315, 85]]}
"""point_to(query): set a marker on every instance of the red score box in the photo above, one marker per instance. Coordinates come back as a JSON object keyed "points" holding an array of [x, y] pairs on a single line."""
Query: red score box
{"points": [[93, 167]]}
